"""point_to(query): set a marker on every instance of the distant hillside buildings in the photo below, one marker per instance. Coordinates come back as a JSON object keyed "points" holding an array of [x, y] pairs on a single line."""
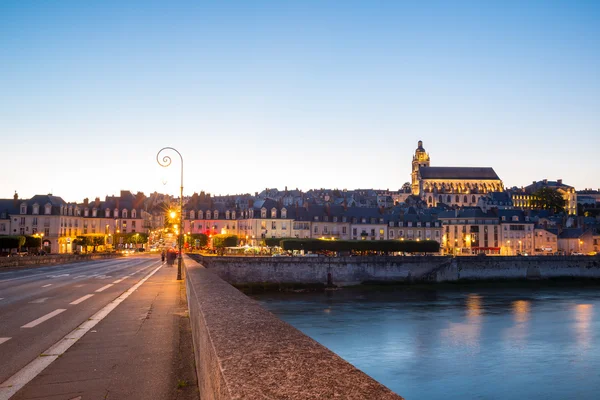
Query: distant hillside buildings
{"points": [[467, 210]]}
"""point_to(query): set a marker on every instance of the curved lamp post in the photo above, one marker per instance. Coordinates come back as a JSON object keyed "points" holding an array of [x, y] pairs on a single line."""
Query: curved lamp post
{"points": [[165, 162]]}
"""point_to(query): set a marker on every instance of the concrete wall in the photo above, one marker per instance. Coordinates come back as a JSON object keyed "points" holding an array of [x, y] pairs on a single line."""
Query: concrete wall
{"points": [[343, 270], [6, 262], [356, 270], [244, 352]]}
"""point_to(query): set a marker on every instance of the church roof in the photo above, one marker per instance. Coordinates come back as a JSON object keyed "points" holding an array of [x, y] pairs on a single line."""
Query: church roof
{"points": [[458, 173]]}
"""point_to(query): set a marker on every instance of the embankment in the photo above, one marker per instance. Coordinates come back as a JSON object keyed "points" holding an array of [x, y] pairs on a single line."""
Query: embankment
{"points": [[343, 271]]}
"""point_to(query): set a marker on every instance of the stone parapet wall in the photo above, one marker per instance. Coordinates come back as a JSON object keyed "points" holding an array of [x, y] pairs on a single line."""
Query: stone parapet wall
{"points": [[356, 270], [28, 261], [341, 271], [244, 352]]}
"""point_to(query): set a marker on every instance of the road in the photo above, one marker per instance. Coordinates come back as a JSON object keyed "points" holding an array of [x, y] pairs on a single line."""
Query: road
{"points": [[39, 306]]}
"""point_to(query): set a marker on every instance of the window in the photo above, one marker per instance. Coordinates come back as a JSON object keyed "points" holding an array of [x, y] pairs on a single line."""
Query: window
{"points": [[440, 199], [473, 199], [124, 213], [23, 209], [200, 215], [86, 212], [208, 215], [263, 213], [273, 212], [354, 231], [457, 198], [192, 215], [343, 230], [48, 209], [227, 214], [35, 221], [36, 209], [316, 229], [283, 213], [216, 214], [133, 214], [465, 199], [391, 233], [273, 225]]}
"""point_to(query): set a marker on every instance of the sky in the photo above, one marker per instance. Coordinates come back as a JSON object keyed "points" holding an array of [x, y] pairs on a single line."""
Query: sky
{"points": [[304, 94]]}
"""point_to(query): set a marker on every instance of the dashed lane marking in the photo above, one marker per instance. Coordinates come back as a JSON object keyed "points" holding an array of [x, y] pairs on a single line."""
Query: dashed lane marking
{"points": [[39, 301], [47, 285], [121, 280], [4, 339], [13, 384], [44, 318], [104, 288], [81, 299]]}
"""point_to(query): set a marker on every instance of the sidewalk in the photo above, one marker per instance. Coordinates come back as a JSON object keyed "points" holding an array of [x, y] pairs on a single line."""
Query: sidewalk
{"points": [[142, 350]]}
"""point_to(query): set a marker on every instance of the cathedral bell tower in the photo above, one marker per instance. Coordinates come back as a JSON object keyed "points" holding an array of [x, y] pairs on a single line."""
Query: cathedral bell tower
{"points": [[420, 159]]}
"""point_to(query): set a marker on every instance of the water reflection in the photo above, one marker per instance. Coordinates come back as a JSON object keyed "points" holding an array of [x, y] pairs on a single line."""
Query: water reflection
{"points": [[516, 335], [467, 333], [583, 319], [521, 310]]}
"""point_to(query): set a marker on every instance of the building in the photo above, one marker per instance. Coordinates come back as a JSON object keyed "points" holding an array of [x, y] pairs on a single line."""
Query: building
{"points": [[455, 186], [470, 231], [518, 232], [526, 200]]}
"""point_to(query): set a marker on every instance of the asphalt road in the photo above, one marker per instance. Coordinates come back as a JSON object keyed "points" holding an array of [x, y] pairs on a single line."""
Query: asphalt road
{"points": [[39, 306]]}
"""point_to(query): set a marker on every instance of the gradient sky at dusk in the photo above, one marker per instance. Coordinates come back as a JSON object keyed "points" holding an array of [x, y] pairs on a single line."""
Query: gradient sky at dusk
{"points": [[307, 94]]}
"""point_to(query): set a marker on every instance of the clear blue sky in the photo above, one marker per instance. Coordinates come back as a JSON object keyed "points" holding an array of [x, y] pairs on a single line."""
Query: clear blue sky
{"points": [[306, 94]]}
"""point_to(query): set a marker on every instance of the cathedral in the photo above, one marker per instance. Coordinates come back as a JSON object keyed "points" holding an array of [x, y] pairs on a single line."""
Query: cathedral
{"points": [[460, 186]]}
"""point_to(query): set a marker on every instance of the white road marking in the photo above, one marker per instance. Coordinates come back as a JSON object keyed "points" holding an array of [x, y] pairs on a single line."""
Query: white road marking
{"points": [[81, 299], [4, 339], [1, 298], [104, 287], [44, 318], [121, 280], [47, 285], [39, 301], [58, 276], [13, 384]]}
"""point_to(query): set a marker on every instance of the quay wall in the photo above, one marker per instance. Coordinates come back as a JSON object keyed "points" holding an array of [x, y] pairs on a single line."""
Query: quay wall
{"points": [[244, 352], [343, 271]]}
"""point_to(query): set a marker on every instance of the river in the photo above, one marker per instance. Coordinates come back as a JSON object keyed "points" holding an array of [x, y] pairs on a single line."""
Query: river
{"points": [[459, 343]]}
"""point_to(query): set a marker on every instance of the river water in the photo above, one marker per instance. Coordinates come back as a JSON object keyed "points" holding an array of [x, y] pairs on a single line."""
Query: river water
{"points": [[469, 343]]}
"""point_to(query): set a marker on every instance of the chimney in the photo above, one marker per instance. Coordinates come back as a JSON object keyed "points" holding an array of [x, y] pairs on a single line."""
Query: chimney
{"points": [[559, 181], [16, 198], [545, 181], [86, 201], [97, 202]]}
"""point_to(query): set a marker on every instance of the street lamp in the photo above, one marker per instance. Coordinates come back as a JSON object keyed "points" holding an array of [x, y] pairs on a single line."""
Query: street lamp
{"points": [[166, 161], [520, 247]]}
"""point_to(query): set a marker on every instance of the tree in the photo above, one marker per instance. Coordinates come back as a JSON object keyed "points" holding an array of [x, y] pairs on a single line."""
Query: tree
{"points": [[549, 199], [197, 239], [32, 242], [224, 240], [11, 242]]}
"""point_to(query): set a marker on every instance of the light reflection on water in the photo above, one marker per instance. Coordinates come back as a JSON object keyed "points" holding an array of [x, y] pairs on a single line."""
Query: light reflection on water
{"points": [[484, 344]]}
